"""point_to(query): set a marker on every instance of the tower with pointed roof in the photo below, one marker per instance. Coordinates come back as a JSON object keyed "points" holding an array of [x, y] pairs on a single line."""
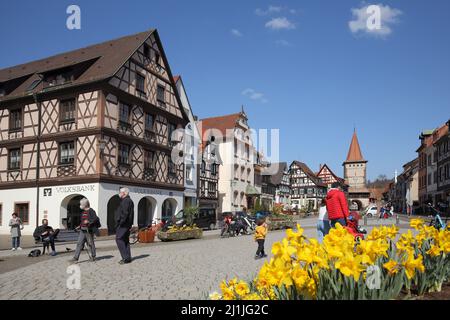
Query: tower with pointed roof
{"points": [[355, 165]]}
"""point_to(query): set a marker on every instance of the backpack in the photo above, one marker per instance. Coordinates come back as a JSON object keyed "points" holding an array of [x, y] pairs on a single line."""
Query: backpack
{"points": [[34, 253]]}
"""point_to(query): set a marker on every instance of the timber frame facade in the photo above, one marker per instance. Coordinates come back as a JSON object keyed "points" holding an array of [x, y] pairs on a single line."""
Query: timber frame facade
{"points": [[306, 188], [105, 113]]}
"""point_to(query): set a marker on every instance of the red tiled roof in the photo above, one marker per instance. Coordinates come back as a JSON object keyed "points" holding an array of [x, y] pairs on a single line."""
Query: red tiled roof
{"points": [[222, 123], [354, 152], [107, 58]]}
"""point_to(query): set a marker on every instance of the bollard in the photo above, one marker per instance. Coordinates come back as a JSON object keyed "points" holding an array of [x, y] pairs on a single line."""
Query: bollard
{"points": [[397, 220], [365, 220]]}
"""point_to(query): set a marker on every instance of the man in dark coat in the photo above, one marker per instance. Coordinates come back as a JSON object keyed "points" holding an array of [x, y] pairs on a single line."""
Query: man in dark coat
{"points": [[124, 222], [46, 234]]}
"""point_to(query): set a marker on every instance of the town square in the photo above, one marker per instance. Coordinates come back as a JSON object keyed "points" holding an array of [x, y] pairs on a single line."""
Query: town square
{"points": [[181, 150]]}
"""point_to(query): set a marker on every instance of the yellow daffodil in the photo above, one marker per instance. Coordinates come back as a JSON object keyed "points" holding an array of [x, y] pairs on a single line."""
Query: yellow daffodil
{"points": [[242, 288], [215, 296], [392, 267], [350, 266], [417, 224], [411, 265], [228, 294], [283, 250], [434, 251]]}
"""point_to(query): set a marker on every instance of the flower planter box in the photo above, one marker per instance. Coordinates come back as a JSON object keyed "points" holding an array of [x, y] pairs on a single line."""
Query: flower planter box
{"points": [[180, 235], [279, 224]]}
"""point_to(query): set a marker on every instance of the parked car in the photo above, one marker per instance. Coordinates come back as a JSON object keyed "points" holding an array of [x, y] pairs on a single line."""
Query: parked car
{"points": [[371, 211], [206, 218]]}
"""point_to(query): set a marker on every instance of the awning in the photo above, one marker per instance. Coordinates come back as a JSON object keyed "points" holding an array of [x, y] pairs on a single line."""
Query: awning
{"points": [[251, 191]]}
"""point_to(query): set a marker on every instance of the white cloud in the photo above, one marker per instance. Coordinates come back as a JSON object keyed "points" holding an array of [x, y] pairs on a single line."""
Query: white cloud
{"points": [[268, 11], [388, 17], [236, 33], [254, 95], [281, 23], [283, 43]]}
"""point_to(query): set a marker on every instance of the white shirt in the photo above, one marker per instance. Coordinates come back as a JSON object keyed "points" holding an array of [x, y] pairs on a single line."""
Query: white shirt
{"points": [[323, 214]]}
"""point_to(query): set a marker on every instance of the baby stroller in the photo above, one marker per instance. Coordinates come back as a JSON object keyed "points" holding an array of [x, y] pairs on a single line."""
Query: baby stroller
{"points": [[353, 226]]}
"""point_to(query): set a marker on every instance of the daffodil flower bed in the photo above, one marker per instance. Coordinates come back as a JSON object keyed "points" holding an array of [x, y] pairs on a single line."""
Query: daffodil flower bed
{"points": [[175, 233], [379, 267]]}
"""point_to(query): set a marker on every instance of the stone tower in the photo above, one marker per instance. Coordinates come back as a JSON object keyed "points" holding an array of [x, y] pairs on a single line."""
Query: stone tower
{"points": [[355, 166]]}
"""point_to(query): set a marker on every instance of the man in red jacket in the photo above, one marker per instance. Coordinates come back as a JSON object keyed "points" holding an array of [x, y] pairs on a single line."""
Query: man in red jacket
{"points": [[337, 206]]}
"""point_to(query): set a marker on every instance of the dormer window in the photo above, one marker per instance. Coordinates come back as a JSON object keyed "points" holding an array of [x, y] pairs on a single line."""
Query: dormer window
{"points": [[59, 78]]}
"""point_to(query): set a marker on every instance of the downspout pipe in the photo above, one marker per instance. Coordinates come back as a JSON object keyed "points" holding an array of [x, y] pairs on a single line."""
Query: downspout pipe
{"points": [[38, 155]]}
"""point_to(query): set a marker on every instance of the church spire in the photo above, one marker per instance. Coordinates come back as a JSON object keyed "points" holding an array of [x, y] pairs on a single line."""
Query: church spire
{"points": [[354, 153]]}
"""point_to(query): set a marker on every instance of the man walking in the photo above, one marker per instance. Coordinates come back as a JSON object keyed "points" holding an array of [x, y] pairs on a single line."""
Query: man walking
{"points": [[337, 206], [89, 224], [125, 218]]}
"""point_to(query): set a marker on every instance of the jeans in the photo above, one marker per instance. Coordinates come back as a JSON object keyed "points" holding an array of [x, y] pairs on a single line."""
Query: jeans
{"points": [[323, 227], [15, 242], [341, 221], [260, 252]]}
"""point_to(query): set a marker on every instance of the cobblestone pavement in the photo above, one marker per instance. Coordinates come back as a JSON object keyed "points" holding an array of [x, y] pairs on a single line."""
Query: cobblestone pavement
{"points": [[179, 270]]}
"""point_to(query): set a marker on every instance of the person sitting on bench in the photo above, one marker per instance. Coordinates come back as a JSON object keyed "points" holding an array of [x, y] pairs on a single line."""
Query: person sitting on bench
{"points": [[47, 235]]}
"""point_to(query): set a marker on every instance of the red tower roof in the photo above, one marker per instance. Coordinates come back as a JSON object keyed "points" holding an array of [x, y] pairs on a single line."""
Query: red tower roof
{"points": [[354, 153]]}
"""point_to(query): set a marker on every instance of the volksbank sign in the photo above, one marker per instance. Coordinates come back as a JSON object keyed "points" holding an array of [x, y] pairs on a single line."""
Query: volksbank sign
{"points": [[48, 192]]}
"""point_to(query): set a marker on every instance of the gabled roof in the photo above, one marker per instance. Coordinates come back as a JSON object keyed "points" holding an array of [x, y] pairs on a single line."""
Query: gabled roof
{"points": [[309, 173], [354, 152], [277, 176], [106, 59], [341, 180], [221, 123]]}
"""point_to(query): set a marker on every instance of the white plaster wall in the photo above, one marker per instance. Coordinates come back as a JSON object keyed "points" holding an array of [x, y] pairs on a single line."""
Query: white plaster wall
{"points": [[8, 198], [107, 191]]}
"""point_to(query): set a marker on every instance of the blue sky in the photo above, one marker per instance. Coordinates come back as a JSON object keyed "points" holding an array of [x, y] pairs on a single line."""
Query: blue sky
{"points": [[294, 65]]}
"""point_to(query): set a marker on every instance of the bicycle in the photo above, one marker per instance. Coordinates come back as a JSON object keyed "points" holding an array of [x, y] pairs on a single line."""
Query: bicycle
{"points": [[155, 226], [437, 221]]}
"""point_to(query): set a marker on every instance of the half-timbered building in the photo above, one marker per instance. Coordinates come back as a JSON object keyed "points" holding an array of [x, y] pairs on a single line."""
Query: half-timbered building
{"points": [[208, 173], [85, 123], [306, 188], [327, 176]]}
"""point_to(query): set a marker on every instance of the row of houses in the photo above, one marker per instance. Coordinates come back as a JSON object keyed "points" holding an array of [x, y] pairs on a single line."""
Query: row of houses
{"points": [[84, 123], [426, 179]]}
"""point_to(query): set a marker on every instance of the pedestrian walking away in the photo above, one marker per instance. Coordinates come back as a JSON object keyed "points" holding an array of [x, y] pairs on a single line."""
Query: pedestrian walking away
{"points": [[16, 225], [125, 218], [90, 223], [337, 206], [323, 224]]}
